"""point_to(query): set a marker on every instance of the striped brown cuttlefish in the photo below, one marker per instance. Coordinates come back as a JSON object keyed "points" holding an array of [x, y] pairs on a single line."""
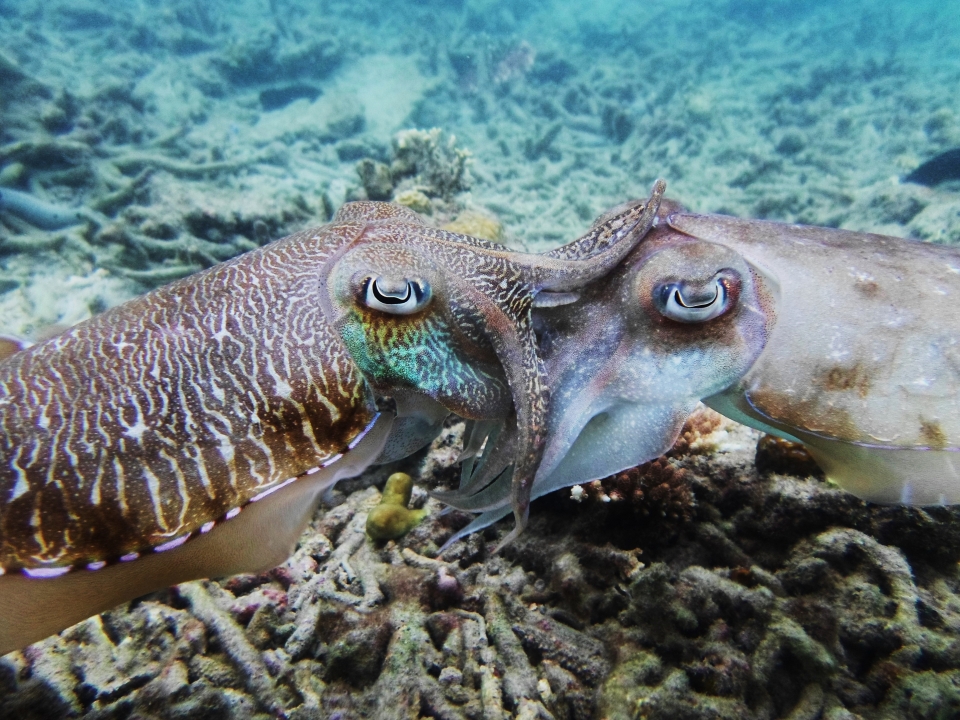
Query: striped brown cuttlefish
{"points": [[846, 342], [189, 433]]}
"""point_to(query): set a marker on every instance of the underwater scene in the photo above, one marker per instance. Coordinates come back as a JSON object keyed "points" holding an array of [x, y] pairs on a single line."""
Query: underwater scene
{"points": [[584, 448]]}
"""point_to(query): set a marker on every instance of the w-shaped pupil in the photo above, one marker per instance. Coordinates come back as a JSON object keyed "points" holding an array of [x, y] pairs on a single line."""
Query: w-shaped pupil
{"points": [[391, 298], [683, 303]]}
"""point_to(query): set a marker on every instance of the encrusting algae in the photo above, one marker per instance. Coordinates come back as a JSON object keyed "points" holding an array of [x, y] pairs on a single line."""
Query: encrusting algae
{"points": [[476, 225], [392, 518]]}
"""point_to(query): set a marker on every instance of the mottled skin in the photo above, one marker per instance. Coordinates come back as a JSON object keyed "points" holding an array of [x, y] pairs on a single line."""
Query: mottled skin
{"points": [[154, 418], [847, 342], [255, 382], [487, 295], [863, 365]]}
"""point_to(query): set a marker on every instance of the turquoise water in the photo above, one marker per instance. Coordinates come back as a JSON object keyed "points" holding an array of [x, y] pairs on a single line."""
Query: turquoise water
{"points": [[181, 134], [796, 111]]}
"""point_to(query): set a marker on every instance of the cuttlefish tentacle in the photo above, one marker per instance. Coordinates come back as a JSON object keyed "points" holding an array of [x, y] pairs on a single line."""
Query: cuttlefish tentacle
{"points": [[624, 366], [480, 322]]}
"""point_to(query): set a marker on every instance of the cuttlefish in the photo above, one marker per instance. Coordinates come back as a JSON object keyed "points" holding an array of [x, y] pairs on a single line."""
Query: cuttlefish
{"points": [[846, 342], [189, 433]]}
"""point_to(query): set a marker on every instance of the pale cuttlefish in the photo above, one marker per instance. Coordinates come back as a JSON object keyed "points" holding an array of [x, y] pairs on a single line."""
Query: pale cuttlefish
{"points": [[846, 342], [190, 432]]}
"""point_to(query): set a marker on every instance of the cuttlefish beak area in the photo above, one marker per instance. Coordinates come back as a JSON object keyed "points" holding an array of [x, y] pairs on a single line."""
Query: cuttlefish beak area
{"points": [[450, 316]]}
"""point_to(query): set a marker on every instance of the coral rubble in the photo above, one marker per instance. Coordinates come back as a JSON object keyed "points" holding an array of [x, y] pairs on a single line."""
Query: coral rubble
{"points": [[730, 594]]}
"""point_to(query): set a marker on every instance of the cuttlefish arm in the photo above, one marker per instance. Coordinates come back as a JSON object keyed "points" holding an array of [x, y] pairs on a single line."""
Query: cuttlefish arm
{"points": [[627, 362], [470, 303], [863, 367]]}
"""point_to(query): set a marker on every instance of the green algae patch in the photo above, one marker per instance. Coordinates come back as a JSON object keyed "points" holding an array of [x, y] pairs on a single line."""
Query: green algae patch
{"points": [[392, 518]]}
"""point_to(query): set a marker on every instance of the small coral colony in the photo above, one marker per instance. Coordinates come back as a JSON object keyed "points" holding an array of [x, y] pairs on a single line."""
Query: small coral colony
{"points": [[190, 432]]}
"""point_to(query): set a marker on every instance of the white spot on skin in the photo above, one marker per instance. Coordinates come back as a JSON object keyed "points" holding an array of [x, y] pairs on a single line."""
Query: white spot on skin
{"points": [[331, 461], [231, 514], [225, 448], [45, 572], [207, 527], [98, 565], [21, 486], [171, 544], [272, 490], [218, 392], [136, 430], [153, 485], [129, 557]]}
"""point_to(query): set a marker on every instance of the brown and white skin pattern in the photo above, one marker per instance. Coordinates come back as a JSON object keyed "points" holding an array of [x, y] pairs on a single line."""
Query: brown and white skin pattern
{"points": [[152, 422], [189, 432]]}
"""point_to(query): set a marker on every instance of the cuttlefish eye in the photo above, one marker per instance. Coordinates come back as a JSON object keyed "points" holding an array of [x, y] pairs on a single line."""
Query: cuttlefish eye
{"points": [[397, 297], [690, 302]]}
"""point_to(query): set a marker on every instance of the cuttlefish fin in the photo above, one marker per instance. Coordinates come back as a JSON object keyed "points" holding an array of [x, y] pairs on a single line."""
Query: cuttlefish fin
{"points": [[732, 404], [876, 473], [257, 539], [911, 476]]}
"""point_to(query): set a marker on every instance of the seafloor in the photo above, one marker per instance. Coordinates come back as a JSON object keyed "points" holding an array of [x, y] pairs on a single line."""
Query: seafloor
{"points": [[720, 582]]}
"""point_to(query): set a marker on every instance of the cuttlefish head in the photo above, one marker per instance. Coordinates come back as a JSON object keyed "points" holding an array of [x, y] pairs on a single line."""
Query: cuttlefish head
{"points": [[627, 362], [447, 317], [681, 320]]}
